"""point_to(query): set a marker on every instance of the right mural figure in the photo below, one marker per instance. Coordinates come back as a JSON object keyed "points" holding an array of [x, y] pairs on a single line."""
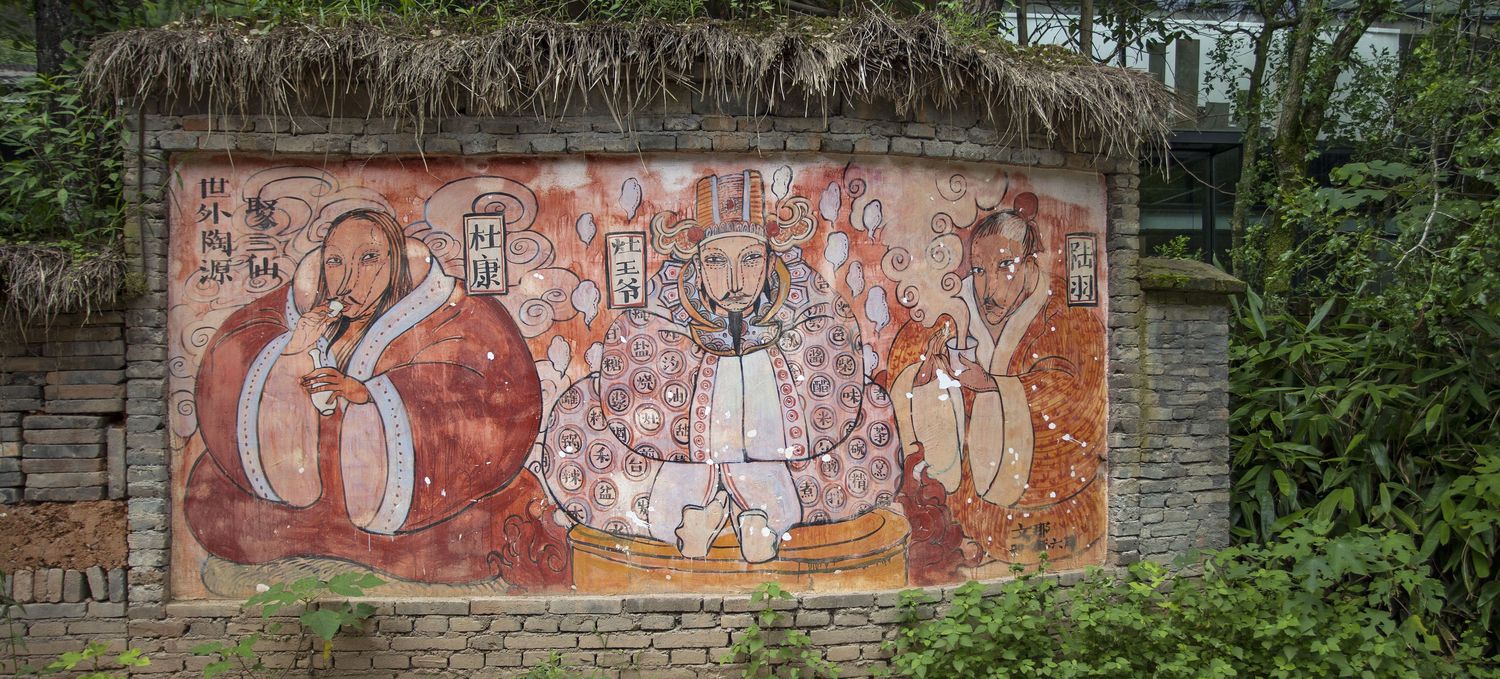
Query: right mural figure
{"points": [[1004, 400]]}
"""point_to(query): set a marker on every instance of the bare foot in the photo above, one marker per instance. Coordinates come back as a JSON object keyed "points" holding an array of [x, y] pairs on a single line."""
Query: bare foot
{"points": [[758, 542], [700, 525]]}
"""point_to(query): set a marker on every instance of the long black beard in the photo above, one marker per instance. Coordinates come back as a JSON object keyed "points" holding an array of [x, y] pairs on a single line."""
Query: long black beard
{"points": [[737, 329]]}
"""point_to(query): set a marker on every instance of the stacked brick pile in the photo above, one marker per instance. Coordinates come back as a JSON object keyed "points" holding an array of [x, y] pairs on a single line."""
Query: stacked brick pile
{"points": [[57, 585], [62, 397]]}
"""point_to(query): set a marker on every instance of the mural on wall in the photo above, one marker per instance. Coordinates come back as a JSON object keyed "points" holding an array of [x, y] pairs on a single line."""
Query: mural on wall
{"points": [[658, 373]]}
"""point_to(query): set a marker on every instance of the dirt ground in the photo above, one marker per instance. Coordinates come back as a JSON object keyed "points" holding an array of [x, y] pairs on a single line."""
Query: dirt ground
{"points": [[72, 535]]}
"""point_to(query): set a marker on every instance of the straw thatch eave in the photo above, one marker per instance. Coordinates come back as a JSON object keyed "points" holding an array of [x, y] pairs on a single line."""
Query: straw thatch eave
{"points": [[38, 282], [540, 67]]}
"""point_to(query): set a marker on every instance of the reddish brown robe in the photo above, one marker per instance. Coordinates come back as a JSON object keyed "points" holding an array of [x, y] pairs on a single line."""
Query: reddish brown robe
{"points": [[426, 482]]}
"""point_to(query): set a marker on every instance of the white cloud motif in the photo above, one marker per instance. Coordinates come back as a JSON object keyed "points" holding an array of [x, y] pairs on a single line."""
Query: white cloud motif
{"points": [[560, 353], [586, 301], [832, 200], [873, 216], [837, 250], [856, 279], [630, 197], [877, 309], [594, 355], [781, 181], [586, 228]]}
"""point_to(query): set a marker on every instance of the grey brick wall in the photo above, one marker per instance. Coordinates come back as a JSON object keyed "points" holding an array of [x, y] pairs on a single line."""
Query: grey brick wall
{"points": [[1168, 470], [62, 402], [658, 636]]}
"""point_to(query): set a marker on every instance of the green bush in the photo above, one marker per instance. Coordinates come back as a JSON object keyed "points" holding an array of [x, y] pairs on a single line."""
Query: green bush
{"points": [[1354, 421], [318, 622], [1308, 606], [1177, 248], [1368, 395], [60, 181], [770, 647]]}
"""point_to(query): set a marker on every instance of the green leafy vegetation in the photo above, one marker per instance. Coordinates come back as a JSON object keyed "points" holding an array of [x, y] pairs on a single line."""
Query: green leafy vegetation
{"points": [[61, 180], [1353, 419], [1177, 248], [555, 668], [85, 664], [1362, 604], [1366, 395], [771, 647], [319, 621]]}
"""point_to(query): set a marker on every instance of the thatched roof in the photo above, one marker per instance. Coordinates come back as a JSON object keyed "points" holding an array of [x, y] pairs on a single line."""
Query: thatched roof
{"points": [[38, 282], [538, 66]]}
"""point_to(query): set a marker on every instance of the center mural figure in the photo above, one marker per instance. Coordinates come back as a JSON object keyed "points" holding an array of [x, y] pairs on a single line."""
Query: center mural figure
{"points": [[735, 400], [364, 423]]}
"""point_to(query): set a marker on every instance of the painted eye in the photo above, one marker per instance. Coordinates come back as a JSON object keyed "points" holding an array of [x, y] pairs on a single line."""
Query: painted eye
{"points": [[333, 261], [1007, 263], [977, 271], [370, 257]]}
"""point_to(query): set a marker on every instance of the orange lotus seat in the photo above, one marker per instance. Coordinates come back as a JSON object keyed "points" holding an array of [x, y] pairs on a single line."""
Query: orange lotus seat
{"points": [[867, 552]]}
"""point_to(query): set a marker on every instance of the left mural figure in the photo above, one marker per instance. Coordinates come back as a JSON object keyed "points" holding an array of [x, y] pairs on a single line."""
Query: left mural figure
{"points": [[379, 417]]}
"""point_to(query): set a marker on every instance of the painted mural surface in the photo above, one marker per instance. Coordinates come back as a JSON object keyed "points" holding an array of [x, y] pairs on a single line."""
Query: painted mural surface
{"points": [[608, 374]]}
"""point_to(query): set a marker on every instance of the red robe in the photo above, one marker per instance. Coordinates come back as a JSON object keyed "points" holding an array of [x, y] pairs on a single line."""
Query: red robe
{"points": [[425, 482]]}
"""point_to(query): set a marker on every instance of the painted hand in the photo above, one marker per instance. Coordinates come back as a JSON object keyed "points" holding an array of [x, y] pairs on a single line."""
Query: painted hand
{"points": [[975, 378], [310, 327], [935, 357], [333, 381]]}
